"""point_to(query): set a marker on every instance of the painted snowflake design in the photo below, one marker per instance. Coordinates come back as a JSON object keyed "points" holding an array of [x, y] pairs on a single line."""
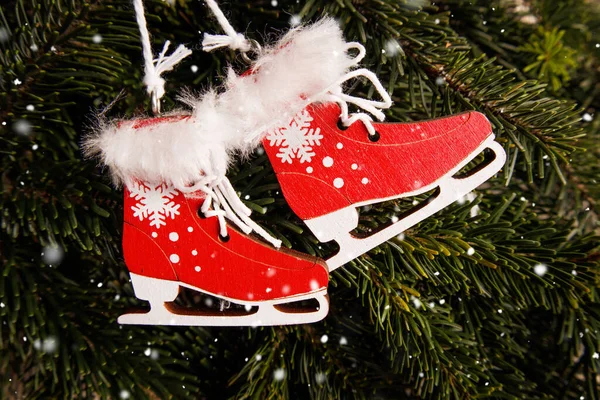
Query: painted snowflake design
{"points": [[296, 141], [155, 204]]}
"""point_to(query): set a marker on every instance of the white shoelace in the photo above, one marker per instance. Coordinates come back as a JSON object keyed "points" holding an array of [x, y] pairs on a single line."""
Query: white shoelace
{"points": [[222, 201], [335, 93]]}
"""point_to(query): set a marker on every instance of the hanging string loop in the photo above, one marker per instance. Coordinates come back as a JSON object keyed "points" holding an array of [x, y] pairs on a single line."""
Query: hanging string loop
{"points": [[154, 68]]}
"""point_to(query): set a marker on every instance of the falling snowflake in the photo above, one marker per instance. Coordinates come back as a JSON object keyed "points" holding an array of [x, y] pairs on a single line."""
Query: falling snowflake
{"points": [[156, 204], [297, 139]]}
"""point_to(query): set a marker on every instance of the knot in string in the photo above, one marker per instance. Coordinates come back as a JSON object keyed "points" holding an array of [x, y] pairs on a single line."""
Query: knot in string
{"points": [[231, 39], [154, 68]]}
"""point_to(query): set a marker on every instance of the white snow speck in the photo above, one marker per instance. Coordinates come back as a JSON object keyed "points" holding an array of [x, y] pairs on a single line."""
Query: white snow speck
{"points": [[540, 269], [354, 166], [314, 285], [97, 38], [400, 236], [324, 339], [124, 394], [437, 21], [574, 272], [274, 3], [194, 68], [338, 182], [327, 162], [587, 117], [197, 268], [2, 305], [190, 229], [22, 127], [442, 301], [279, 374], [343, 341], [392, 47], [173, 236], [285, 289], [364, 181], [154, 235], [339, 146], [309, 170], [439, 81], [4, 35], [268, 290], [295, 20], [17, 82], [499, 311], [258, 357], [470, 251], [30, 107], [421, 375], [50, 345], [174, 258], [52, 255], [596, 355], [320, 377]]}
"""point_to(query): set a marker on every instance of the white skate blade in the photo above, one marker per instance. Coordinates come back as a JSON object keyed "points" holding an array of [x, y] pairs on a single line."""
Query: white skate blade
{"points": [[451, 189], [268, 314]]}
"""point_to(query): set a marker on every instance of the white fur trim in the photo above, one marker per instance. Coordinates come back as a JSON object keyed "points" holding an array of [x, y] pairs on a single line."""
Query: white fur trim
{"points": [[287, 77]]}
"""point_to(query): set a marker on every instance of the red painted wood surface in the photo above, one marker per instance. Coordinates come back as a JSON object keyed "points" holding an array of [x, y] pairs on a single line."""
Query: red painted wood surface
{"points": [[348, 168]]}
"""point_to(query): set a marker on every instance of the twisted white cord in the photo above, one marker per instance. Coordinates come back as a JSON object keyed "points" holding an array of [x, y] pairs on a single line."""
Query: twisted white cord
{"points": [[232, 39], [154, 68], [222, 201]]}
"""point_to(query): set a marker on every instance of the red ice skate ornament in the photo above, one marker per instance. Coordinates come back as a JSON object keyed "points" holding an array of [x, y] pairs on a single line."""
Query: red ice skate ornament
{"points": [[184, 224], [326, 170]]}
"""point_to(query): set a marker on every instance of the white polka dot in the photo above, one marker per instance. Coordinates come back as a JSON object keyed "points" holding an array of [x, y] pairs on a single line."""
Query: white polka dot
{"points": [[173, 236], [154, 234], [339, 146], [355, 166], [309, 170], [194, 252], [190, 229], [365, 181], [174, 258], [338, 182], [314, 285], [285, 289], [268, 290], [197, 268], [328, 161]]}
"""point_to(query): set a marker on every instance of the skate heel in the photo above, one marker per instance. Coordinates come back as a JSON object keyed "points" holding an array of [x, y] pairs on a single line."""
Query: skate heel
{"points": [[156, 291], [333, 225]]}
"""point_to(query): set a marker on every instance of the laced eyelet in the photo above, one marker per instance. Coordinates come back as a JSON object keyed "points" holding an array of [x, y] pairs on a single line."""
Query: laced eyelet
{"points": [[201, 214], [225, 238], [341, 125], [375, 137]]}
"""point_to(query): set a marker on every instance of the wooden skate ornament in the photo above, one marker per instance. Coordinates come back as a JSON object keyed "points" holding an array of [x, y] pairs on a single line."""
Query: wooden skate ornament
{"points": [[169, 243], [326, 170]]}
